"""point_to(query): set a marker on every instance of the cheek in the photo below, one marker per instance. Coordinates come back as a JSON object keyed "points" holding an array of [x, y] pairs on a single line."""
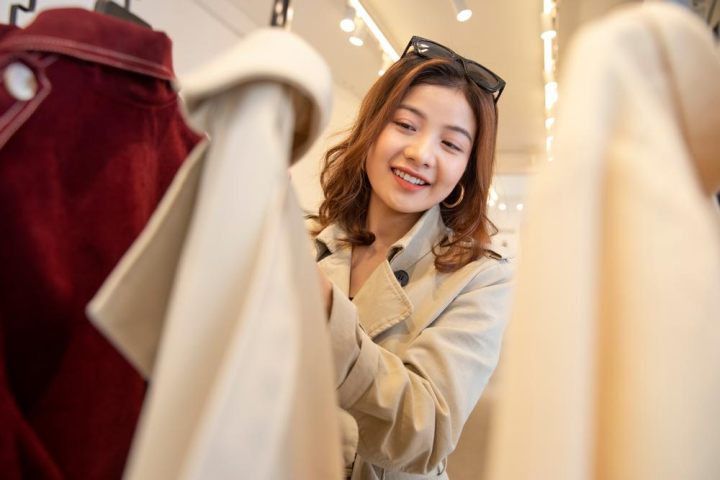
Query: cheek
{"points": [[452, 173], [372, 161], [377, 157]]}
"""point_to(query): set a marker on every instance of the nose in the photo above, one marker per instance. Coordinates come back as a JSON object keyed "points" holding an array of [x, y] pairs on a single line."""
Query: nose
{"points": [[420, 150]]}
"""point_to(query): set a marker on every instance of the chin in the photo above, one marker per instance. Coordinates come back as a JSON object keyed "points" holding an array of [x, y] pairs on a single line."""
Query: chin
{"points": [[403, 207]]}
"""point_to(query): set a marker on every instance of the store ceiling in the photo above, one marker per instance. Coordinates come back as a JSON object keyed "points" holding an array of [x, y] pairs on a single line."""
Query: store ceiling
{"points": [[503, 35]]}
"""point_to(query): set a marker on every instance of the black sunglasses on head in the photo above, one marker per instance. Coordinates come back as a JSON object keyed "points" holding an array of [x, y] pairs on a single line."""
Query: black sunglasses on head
{"points": [[482, 77]]}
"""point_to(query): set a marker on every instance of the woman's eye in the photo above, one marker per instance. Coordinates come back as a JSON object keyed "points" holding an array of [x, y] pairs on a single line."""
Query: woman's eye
{"points": [[452, 146], [405, 126]]}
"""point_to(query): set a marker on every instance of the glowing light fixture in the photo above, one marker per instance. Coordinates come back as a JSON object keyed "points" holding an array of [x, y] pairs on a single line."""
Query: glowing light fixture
{"points": [[502, 206], [548, 6], [520, 207], [462, 12], [549, 122], [548, 142], [347, 24], [548, 50], [551, 94], [358, 37]]}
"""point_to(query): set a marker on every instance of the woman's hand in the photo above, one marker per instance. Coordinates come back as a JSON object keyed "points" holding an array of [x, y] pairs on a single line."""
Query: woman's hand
{"points": [[326, 290]]}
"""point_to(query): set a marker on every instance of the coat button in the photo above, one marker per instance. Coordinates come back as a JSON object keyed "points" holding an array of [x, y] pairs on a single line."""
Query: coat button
{"points": [[20, 81], [402, 277]]}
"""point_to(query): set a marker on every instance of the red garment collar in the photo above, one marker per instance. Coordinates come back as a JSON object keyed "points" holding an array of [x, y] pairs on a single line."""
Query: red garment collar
{"points": [[96, 38]]}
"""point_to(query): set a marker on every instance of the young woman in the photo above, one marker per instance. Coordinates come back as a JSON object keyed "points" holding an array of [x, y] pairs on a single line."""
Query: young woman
{"points": [[417, 297]]}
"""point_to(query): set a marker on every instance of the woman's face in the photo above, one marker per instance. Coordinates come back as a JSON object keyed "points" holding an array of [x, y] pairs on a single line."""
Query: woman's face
{"points": [[420, 155]]}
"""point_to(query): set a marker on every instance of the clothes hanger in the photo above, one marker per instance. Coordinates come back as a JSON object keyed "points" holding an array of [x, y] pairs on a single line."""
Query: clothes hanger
{"points": [[281, 14], [709, 19], [114, 10], [15, 7]]}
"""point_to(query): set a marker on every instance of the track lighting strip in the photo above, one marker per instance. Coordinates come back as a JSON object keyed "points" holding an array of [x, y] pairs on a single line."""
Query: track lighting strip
{"points": [[374, 29]]}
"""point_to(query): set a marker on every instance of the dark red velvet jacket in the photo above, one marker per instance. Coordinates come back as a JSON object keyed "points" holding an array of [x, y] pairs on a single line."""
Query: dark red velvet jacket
{"points": [[83, 164]]}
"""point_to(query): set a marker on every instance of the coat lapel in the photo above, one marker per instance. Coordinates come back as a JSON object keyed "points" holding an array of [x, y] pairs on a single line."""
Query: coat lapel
{"points": [[382, 301]]}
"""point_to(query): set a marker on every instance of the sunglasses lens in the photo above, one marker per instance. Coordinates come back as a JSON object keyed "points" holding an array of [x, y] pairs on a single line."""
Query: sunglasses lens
{"points": [[432, 50], [483, 76]]}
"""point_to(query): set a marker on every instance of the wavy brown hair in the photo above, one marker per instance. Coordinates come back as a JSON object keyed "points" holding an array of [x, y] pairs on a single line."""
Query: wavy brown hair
{"points": [[346, 185]]}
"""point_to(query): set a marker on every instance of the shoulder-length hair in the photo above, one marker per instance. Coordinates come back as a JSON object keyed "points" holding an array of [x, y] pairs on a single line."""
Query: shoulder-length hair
{"points": [[347, 188]]}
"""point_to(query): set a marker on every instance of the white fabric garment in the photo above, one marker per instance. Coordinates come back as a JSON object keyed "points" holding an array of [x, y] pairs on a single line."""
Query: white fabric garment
{"points": [[217, 301], [613, 363]]}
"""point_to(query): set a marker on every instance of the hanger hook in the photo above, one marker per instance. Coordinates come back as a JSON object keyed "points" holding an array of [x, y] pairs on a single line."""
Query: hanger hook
{"points": [[15, 7]]}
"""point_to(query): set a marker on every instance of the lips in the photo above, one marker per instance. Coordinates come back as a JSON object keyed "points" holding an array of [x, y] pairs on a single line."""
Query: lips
{"points": [[410, 177]]}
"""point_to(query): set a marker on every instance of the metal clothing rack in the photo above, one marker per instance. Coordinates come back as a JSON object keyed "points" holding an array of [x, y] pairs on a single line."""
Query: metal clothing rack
{"points": [[281, 14]]}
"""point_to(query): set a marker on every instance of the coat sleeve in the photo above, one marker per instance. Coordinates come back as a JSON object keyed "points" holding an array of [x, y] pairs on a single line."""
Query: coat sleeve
{"points": [[410, 409]]}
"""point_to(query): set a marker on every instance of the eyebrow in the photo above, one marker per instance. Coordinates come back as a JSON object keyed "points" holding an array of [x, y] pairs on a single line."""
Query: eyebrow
{"points": [[424, 117]]}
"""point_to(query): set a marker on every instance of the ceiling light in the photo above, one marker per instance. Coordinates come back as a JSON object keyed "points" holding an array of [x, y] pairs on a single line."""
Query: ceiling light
{"points": [[548, 142], [548, 49], [549, 122], [502, 206], [550, 159], [367, 19], [551, 94], [491, 202], [347, 24], [548, 5], [462, 12], [548, 34], [520, 207], [493, 194], [358, 38]]}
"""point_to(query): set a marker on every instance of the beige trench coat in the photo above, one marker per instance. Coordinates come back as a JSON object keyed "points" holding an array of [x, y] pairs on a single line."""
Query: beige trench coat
{"points": [[614, 363], [212, 303], [411, 361]]}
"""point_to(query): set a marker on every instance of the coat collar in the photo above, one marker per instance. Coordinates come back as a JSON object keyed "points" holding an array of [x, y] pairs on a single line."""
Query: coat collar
{"points": [[416, 243], [279, 55], [382, 287], [90, 36]]}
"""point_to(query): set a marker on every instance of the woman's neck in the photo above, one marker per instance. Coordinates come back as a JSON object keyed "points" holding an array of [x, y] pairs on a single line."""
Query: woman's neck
{"points": [[388, 225]]}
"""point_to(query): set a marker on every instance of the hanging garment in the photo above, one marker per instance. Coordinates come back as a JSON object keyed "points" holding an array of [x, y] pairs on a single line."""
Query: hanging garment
{"points": [[613, 371], [218, 301], [90, 138]]}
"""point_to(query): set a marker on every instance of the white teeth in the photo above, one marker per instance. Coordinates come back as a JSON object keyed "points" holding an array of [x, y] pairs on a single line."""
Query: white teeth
{"points": [[407, 177]]}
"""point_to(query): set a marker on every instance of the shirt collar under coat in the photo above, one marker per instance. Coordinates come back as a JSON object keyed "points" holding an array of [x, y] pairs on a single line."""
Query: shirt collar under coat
{"points": [[416, 243], [94, 37]]}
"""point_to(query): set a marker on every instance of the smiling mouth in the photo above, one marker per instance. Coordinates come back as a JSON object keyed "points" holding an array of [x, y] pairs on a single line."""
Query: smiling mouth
{"points": [[409, 178]]}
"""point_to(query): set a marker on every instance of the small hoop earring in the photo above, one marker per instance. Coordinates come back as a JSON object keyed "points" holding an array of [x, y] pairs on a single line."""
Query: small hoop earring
{"points": [[457, 202]]}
